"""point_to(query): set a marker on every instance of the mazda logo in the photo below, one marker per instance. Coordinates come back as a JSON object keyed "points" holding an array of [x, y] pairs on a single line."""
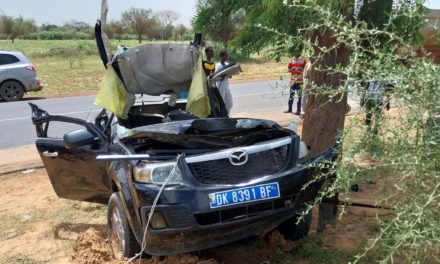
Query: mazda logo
{"points": [[238, 157]]}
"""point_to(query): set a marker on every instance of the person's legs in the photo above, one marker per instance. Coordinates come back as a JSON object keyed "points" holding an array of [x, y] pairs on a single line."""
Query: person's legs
{"points": [[377, 111], [291, 96], [368, 113], [298, 104]]}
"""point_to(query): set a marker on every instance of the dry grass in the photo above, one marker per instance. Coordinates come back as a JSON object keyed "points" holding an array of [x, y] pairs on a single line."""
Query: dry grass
{"points": [[264, 70]]}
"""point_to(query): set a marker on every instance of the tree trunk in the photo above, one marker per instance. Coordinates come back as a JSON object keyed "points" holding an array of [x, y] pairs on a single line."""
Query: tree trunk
{"points": [[140, 39], [12, 39], [325, 116]]}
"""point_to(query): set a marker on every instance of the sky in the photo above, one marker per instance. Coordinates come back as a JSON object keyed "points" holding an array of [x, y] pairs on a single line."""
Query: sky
{"points": [[432, 4], [60, 11]]}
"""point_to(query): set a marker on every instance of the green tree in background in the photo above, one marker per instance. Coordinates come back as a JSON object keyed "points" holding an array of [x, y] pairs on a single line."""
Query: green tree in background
{"points": [[165, 19], [16, 28], [6, 25], [353, 42], [139, 20], [115, 29], [220, 20], [179, 31], [272, 23]]}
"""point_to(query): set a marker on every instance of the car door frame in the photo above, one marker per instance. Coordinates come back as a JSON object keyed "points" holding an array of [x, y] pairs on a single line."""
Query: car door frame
{"points": [[74, 172]]}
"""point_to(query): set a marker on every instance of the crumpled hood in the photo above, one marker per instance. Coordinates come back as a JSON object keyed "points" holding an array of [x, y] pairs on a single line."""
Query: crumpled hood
{"points": [[213, 132]]}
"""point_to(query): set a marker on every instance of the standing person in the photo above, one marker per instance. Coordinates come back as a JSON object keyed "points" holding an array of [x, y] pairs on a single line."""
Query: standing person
{"points": [[223, 83], [208, 64], [296, 69], [373, 99]]}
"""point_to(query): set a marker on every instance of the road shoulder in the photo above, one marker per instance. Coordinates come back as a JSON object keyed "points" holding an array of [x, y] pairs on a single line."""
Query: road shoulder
{"points": [[19, 159]]}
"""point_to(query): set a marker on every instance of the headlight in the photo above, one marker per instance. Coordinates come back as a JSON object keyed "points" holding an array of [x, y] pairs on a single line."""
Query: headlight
{"points": [[303, 151], [157, 173]]}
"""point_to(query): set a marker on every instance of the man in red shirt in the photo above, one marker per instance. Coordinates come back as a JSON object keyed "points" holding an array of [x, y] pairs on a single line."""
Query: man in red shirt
{"points": [[296, 69]]}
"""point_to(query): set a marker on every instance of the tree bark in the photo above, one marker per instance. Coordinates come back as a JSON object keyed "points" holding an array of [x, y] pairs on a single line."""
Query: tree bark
{"points": [[325, 116]]}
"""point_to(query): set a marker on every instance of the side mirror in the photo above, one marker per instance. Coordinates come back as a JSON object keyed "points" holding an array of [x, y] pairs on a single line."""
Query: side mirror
{"points": [[78, 138]]}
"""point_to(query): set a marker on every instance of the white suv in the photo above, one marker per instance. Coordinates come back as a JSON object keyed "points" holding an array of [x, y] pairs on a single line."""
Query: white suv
{"points": [[17, 76]]}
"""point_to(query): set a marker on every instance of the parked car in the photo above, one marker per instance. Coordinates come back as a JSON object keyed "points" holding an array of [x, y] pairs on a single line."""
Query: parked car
{"points": [[173, 182], [17, 76]]}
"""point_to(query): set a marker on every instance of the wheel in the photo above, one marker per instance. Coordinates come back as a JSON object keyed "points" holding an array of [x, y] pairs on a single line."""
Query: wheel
{"points": [[11, 91], [291, 231], [123, 244]]}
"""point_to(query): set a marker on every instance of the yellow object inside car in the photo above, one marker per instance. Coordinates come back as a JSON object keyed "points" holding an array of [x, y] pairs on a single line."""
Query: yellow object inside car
{"points": [[198, 99], [112, 94]]}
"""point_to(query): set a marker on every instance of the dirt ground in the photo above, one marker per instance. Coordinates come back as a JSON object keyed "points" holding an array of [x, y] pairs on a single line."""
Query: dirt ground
{"points": [[38, 227]]}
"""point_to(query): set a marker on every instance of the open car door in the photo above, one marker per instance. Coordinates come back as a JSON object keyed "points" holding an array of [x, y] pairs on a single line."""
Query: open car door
{"points": [[70, 160]]}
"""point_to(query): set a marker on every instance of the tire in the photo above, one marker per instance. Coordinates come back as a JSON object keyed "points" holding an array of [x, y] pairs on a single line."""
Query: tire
{"points": [[122, 241], [291, 231], [11, 91]]}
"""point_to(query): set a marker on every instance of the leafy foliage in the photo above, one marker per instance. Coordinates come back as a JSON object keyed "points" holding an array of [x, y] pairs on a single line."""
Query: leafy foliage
{"points": [[140, 21], [115, 29], [378, 36], [408, 141], [220, 20], [135, 24], [15, 28]]}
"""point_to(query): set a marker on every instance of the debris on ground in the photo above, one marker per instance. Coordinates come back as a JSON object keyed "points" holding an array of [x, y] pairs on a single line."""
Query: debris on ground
{"points": [[90, 247]]}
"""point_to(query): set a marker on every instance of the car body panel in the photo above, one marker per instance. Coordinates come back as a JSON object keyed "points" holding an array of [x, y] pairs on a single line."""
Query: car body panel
{"points": [[74, 173]]}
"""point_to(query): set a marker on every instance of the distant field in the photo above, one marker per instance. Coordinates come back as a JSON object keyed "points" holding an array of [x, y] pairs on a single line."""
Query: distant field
{"points": [[72, 67]]}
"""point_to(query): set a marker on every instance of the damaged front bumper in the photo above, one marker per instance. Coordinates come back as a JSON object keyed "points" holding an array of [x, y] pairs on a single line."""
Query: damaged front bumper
{"points": [[183, 220]]}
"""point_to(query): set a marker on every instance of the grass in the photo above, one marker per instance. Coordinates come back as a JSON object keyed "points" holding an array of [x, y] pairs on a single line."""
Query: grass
{"points": [[72, 67], [314, 250], [20, 259], [12, 226]]}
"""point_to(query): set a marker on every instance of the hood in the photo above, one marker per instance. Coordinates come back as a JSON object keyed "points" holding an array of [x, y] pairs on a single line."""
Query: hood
{"points": [[210, 133]]}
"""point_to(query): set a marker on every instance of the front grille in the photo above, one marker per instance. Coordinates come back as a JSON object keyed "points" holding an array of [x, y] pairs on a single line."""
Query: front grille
{"points": [[259, 164], [241, 212]]}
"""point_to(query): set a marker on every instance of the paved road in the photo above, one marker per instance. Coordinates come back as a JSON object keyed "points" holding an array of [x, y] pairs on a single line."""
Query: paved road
{"points": [[17, 130]]}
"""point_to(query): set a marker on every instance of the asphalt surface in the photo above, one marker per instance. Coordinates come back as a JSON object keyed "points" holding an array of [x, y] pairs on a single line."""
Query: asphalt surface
{"points": [[16, 128]]}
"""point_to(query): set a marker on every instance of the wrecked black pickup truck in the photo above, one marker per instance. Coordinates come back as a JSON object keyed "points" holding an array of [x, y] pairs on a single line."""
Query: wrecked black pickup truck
{"points": [[174, 182]]}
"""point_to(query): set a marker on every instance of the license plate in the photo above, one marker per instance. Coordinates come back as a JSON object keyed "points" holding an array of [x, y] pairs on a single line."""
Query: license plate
{"points": [[244, 195]]}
